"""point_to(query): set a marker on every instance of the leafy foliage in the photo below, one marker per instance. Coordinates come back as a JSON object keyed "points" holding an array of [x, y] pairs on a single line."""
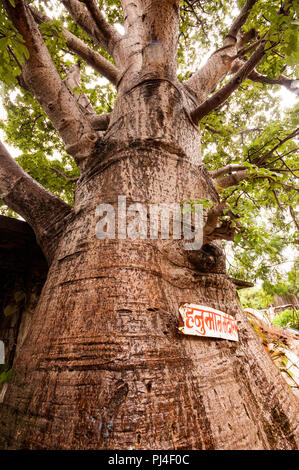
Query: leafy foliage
{"points": [[5, 375], [255, 297], [262, 203], [263, 297], [13, 51]]}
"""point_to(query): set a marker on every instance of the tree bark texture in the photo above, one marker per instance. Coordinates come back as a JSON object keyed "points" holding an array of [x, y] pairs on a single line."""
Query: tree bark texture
{"points": [[103, 365]]}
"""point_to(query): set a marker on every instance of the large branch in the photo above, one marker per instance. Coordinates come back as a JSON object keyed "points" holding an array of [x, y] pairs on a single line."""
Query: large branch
{"points": [[241, 19], [235, 178], [93, 23], [228, 169], [231, 180], [134, 39], [44, 212], [99, 122], [42, 79], [205, 80], [289, 83], [221, 95], [76, 45], [108, 31]]}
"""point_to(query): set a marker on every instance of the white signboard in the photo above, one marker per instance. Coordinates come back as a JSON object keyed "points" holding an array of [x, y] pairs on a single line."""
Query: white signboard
{"points": [[2, 353], [199, 320]]}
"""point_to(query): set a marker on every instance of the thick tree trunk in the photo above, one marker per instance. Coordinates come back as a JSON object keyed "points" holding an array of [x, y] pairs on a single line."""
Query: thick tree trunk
{"points": [[103, 365], [23, 270]]}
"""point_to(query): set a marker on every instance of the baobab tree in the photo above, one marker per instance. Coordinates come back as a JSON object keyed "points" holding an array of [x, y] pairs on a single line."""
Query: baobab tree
{"points": [[103, 365]]}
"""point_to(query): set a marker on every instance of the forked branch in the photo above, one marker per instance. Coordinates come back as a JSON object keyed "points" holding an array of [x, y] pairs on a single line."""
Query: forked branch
{"points": [[205, 80], [260, 161], [221, 95], [93, 23], [232, 175], [76, 45]]}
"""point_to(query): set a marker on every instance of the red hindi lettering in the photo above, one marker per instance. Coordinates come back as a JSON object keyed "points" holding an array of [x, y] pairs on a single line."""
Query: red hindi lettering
{"points": [[210, 320], [189, 317], [199, 322], [218, 322]]}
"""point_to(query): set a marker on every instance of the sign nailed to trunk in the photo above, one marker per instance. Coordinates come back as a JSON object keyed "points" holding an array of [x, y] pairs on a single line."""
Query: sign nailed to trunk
{"points": [[198, 320]]}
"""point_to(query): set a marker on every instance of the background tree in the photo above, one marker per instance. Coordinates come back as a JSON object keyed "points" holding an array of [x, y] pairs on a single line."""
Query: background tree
{"points": [[103, 365]]}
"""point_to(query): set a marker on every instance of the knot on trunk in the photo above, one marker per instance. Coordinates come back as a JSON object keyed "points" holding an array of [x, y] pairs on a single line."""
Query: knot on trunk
{"points": [[209, 259]]}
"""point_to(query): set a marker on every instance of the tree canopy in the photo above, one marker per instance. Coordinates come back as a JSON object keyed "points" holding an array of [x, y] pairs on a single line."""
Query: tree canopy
{"points": [[249, 140]]}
